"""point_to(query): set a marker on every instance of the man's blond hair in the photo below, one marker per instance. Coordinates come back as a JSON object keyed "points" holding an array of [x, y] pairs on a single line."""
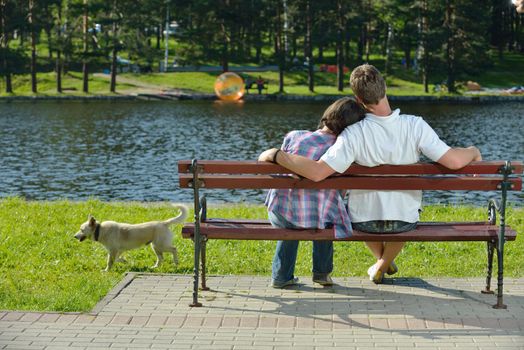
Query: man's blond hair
{"points": [[368, 84]]}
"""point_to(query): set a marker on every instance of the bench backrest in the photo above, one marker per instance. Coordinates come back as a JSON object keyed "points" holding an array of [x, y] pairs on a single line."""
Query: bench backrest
{"points": [[479, 176]]}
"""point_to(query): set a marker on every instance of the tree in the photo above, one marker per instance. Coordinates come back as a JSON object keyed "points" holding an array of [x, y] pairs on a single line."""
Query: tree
{"points": [[30, 19], [6, 9], [341, 26], [279, 49], [58, 46], [85, 31], [423, 49], [309, 46], [114, 49], [465, 41]]}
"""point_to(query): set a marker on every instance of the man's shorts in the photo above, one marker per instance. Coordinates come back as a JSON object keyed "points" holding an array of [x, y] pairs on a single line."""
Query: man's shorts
{"points": [[384, 226]]}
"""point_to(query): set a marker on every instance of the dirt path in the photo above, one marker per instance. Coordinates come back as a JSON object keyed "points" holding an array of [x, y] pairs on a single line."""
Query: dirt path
{"points": [[141, 87]]}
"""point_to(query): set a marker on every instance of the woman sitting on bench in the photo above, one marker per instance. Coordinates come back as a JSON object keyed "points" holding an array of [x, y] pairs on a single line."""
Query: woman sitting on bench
{"points": [[302, 208]]}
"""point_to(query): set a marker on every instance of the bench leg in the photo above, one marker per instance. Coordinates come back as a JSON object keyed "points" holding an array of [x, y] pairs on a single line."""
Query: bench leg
{"points": [[500, 259], [203, 272], [491, 249], [197, 242]]}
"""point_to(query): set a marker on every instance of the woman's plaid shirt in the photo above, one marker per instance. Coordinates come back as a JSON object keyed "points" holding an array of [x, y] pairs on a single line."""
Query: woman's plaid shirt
{"points": [[310, 208]]}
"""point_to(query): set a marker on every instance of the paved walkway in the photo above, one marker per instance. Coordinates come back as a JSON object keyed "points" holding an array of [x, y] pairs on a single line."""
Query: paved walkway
{"points": [[241, 312]]}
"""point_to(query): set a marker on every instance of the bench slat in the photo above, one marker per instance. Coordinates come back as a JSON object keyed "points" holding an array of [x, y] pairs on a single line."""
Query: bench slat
{"points": [[254, 167], [425, 232], [266, 222], [351, 182]]}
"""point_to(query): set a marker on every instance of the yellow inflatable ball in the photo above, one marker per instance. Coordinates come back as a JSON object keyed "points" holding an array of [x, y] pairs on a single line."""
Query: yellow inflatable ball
{"points": [[229, 87]]}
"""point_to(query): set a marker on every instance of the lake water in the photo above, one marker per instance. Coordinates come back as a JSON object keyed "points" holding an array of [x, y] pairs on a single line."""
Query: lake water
{"points": [[128, 150]]}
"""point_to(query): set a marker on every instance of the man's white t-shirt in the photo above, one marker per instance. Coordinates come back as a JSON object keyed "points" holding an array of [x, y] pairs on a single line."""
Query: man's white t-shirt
{"points": [[395, 139]]}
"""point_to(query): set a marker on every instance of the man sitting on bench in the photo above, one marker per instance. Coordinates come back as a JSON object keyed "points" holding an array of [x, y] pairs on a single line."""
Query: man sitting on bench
{"points": [[383, 137]]}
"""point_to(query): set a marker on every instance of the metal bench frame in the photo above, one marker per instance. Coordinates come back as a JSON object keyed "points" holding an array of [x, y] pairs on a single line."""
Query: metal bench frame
{"points": [[193, 175]]}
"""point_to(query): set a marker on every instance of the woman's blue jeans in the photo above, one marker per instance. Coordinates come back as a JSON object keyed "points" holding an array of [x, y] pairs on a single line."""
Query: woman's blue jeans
{"points": [[283, 267]]}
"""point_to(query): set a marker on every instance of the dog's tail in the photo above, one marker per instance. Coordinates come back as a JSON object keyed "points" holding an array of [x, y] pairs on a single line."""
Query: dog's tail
{"points": [[180, 218]]}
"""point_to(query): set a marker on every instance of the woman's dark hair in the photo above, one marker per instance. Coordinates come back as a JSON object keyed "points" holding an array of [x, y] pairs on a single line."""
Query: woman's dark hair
{"points": [[341, 113]]}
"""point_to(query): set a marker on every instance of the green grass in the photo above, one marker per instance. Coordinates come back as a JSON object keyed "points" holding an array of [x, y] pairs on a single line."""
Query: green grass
{"points": [[42, 267], [403, 83], [71, 84], [505, 73], [295, 83]]}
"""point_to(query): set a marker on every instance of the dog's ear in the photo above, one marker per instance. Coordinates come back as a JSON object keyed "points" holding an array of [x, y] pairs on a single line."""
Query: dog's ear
{"points": [[92, 220]]}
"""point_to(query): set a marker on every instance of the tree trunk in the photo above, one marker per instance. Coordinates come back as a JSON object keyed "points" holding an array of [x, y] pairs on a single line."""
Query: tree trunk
{"points": [[280, 53], [226, 42], [158, 36], [49, 45], [33, 47], [389, 40], [425, 48], [347, 44], [361, 43], [407, 57], [258, 46], [4, 41], [340, 47], [518, 31], [225, 58], [309, 48], [295, 46], [367, 43], [58, 67], [450, 47], [112, 87], [340, 64], [85, 87]]}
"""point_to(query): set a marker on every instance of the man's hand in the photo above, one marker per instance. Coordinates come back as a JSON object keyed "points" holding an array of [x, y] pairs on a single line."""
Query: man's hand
{"points": [[268, 155], [520, 5]]}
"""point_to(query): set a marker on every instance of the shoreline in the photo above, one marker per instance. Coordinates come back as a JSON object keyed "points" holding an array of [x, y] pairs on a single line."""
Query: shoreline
{"points": [[182, 96]]}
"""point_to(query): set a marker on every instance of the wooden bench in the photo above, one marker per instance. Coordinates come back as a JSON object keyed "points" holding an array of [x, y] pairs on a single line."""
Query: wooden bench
{"points": [[479, 176]]}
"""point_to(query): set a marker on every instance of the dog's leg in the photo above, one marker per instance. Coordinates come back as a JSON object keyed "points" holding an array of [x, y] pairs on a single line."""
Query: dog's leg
{"points": [[159, 256], [111, 259], [175, 255]]}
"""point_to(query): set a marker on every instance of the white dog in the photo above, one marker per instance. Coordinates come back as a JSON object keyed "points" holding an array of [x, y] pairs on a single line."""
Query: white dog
{"points": [[119, 237]]}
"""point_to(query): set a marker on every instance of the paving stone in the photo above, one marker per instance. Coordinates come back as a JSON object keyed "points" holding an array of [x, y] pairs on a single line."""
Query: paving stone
{"points": [[242, 312]]}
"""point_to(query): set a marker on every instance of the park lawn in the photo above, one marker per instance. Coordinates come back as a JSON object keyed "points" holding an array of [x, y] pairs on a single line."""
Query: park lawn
{"points": [[505, 73], [403, 82], [71, 84], [295, 83], [42, 267]]}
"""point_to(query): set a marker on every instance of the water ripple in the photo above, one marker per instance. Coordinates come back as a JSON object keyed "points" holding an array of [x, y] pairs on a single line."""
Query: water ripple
{"points": [[129, 150]]}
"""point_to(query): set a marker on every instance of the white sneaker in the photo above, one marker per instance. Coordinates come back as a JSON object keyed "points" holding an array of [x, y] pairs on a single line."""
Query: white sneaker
{"points": [[375, 275]]}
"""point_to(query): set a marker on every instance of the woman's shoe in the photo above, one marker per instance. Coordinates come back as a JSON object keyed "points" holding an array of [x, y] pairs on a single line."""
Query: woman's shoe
{"points": [[280, 285], [392, 269], [375, 274]]}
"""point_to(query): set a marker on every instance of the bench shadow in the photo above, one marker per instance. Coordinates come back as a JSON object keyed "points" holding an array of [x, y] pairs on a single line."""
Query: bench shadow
{"points": [[467, 311]]}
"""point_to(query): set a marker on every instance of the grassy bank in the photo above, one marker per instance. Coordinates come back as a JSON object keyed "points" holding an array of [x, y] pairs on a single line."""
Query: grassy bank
{"points": [[42, 267], [402, 82]]}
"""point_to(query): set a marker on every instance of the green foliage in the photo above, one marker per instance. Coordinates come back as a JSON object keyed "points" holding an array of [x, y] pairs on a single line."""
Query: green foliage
{"points": [[42, 267], [441, 35]]}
